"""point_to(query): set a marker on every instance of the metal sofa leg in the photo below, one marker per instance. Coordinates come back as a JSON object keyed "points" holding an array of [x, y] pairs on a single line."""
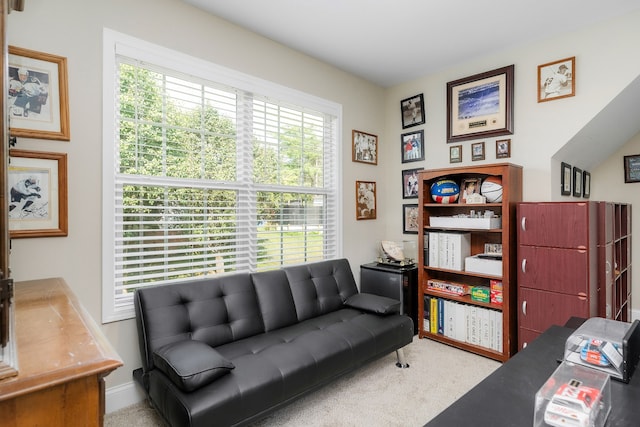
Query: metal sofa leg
{"points": [[401, 363]]}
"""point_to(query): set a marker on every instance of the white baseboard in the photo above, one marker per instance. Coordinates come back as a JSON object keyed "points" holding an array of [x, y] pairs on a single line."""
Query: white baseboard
{"points": [[121, 396]]}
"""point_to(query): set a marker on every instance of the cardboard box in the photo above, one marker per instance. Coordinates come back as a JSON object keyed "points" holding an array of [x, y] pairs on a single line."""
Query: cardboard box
{"points": [[480, 293], [453, 248], [475, 264]]}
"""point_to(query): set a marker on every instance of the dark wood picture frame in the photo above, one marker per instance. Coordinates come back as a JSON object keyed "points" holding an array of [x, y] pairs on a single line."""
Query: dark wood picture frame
{"points": [[565, 179], [46, 115], [557, 79], [632, 168], [37, 187], [586, 184], [366, 200], [410, 183], [364, 147], [477, 151], [412, 111], [412, 146], [481, 105], [503, 148], [577, 182], [410, 223]]}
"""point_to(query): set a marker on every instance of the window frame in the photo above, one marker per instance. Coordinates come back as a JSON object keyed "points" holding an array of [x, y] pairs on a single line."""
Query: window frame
{"points": [[114, 44]]}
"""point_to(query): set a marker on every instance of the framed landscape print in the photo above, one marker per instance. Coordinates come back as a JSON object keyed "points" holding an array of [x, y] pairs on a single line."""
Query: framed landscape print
{"points": [[365, 200], [480, 105], [412, 110], [38, 105], [412, 146], [557, 79], [37, 186], [410, 219], [364, 147]]}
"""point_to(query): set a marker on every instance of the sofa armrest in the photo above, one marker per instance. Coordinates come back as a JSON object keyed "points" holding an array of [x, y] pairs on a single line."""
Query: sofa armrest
{"points": [[191, 364], [373, 303]]}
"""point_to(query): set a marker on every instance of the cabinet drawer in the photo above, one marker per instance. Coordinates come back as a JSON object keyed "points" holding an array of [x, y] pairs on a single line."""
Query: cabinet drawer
{"points": [[537, 310], [554, 224], [553, 269]]}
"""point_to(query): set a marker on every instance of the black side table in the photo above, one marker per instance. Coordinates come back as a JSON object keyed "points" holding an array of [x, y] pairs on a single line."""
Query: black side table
{"points": [[399, 283]]}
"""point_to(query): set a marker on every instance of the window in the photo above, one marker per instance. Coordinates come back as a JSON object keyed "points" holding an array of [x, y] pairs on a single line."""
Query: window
{"points": [[207, 171]]}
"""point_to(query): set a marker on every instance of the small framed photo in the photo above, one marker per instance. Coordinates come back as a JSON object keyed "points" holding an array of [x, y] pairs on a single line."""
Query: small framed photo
{"points": [[565, 179], [557, 79], [412, 110], [503, 148], [410, 183], [586, 184], [577, 182], [365, 200], [410, 224], [632, 168], [38, 105], [37, 186], [412, 146], [364, 147], [477, 151], [468, 186], [455, 154]]}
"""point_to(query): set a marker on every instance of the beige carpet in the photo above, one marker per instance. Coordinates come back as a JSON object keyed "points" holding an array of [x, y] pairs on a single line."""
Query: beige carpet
{"points": [[378, 395]]}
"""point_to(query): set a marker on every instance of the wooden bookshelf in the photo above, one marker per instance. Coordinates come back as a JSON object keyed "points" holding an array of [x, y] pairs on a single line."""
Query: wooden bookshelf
{"points": [[504, 313]]}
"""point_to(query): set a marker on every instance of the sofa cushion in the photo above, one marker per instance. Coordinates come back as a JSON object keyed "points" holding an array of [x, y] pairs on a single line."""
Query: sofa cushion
{"points": [[274, 299], [373, 303], [191, 364]]}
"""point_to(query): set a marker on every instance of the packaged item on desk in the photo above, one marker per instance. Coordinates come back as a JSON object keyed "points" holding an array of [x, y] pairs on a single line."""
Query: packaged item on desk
{"points": [[607, 345], [573, 396]]}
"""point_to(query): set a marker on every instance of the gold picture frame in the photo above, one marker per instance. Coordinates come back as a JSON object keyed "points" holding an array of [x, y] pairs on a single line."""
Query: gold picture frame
{"points": [[557, 80], [37, 194], [38, 98], [366, 200]]}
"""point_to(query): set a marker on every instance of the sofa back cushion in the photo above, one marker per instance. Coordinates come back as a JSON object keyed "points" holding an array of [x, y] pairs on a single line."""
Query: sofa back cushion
{"points": [[215, 311], [320, 287], [275, 299]]}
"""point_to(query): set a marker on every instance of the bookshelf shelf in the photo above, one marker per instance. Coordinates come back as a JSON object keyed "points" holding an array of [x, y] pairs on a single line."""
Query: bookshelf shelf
{"points": [[485, 328]]}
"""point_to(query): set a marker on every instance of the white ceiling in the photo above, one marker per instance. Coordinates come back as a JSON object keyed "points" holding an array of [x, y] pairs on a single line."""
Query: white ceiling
{"points": [[391, 42]]}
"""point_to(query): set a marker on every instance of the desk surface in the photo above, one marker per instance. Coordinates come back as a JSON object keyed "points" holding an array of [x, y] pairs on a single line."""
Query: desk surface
{"points": [[506, 397]]}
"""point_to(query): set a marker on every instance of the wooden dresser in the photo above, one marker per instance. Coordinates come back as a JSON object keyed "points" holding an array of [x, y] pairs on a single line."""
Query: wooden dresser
{"points": [[62, 356]]}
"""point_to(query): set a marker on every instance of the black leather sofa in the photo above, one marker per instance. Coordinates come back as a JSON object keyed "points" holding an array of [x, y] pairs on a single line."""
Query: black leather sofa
{"points": [[231, 349]]}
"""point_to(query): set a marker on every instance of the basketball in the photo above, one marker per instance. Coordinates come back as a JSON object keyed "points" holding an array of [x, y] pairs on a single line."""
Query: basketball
{"points": [[445, 191], [491, 188]]}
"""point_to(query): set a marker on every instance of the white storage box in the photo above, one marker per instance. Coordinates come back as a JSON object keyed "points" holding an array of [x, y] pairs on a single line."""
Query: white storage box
{"points": [[573, 396], [465, 223], [488, 266]]}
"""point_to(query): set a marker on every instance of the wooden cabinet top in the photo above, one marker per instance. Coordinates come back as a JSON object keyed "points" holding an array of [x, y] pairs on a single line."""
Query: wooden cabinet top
{"points": [[56, 339]]}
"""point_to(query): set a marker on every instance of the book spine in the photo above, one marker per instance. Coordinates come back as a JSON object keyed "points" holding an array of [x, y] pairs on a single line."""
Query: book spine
{"points": [[434, 316], [441, 316]]}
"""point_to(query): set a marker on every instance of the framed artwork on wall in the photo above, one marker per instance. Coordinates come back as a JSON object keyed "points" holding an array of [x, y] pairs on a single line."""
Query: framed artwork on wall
{"points": [[365, 200], [410, 219], [38, 99], [412, 110], [577, 182], [364, 147], [412, 146], [37, 183], [565, 179], [557, 79], [477, 151], [632, 168], [481, 105], [503, 148], [410, 183], [455, 154], [586, 184]]}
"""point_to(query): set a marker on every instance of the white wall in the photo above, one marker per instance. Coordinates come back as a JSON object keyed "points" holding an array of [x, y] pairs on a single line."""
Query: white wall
{"points": [[73, 28]]}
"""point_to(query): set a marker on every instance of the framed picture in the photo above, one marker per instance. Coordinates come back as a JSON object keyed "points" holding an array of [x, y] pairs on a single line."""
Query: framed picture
{"points": [[455, 154], [365, 200], [468, 187], [477, 151], [412, 146], [557, 79], [410, 183], [410, 219], [632, 168], [37, 186], [364, 147], [586, 184], [38, 105], [565, 179], [577, 182], [412, 110], [503, 148], [480, 106]]}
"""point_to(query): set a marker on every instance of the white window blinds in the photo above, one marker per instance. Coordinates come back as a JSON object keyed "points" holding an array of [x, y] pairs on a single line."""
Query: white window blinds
{"points": [[205, 178]]}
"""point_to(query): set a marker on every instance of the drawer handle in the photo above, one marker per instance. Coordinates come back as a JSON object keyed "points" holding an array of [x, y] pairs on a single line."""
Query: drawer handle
{"points": [[582, 296], [524, 307], [608, 267], [523, 223], [523, 266]]}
